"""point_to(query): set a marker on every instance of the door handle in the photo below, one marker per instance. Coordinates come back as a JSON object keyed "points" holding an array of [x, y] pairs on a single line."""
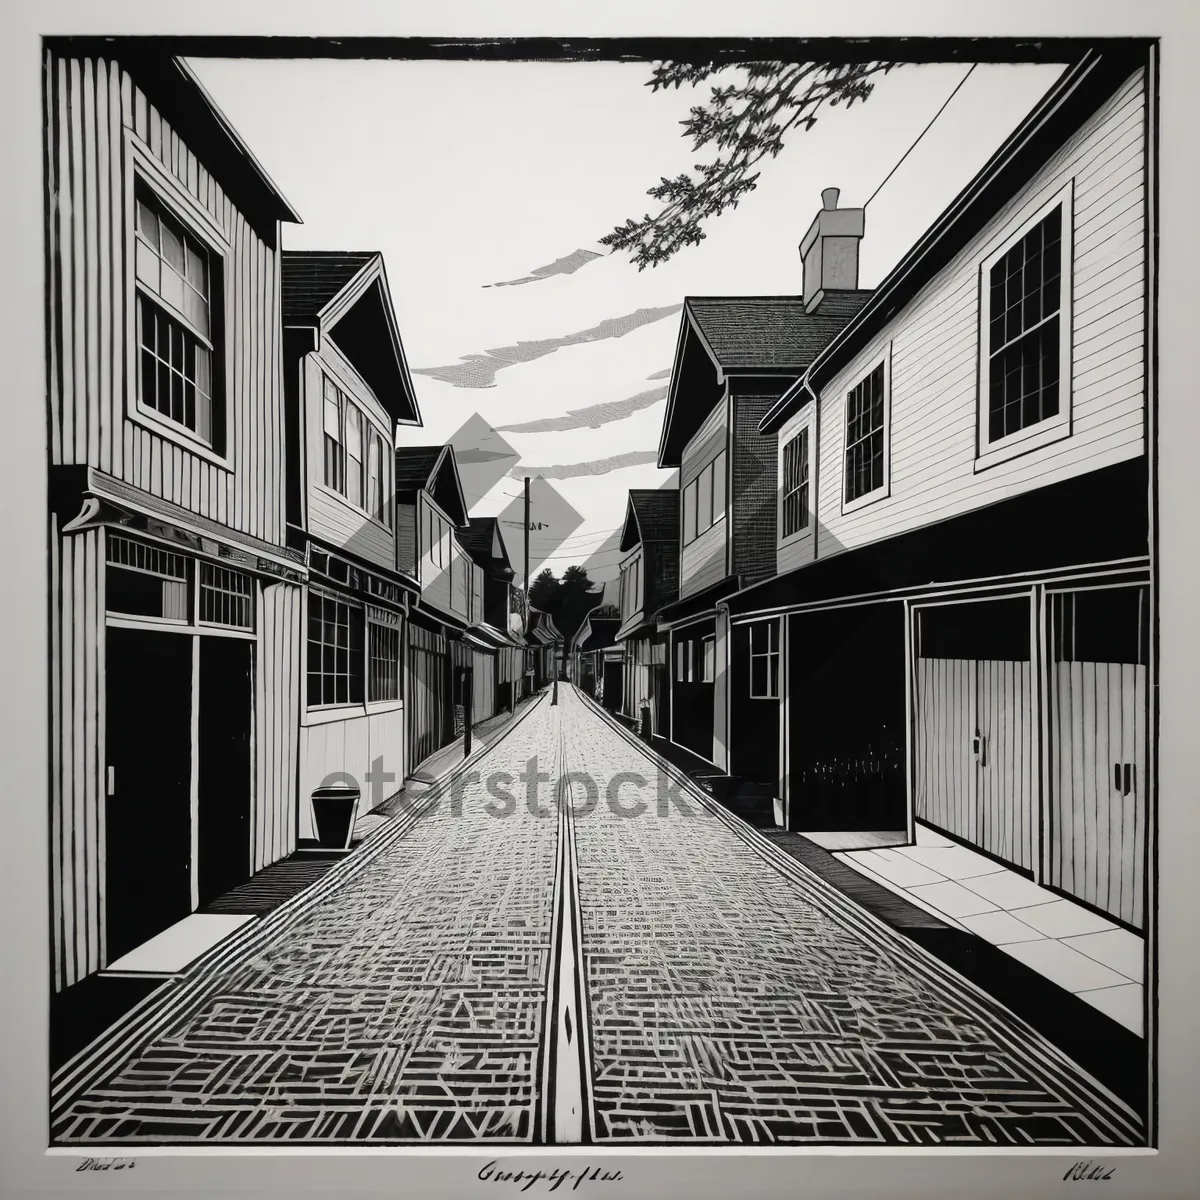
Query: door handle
{"points": [[979, 747]]}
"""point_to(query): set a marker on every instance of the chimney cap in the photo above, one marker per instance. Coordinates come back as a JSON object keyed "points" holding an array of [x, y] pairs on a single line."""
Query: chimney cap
{"points": [[829, 197]]}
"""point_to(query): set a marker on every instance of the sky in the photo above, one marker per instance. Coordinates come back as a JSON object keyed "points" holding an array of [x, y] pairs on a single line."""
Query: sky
{"points": [[466, 175]]}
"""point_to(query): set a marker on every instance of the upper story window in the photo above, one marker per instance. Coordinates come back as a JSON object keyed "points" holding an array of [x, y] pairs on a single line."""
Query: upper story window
{"points": [[704, 500], [176, 275], [630, 585], [795, 484], [350, 440], [866, 437]]}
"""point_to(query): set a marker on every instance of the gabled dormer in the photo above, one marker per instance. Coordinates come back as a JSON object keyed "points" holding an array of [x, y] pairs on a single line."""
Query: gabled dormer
{"points": [[348, 388], [431, 512], [650, 563]]}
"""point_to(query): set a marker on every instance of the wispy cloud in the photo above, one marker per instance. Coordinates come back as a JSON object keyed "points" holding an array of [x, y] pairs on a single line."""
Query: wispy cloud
{"points": [[591, 417], [560, 266], [665, 373], [595, 466], [479, 370]]}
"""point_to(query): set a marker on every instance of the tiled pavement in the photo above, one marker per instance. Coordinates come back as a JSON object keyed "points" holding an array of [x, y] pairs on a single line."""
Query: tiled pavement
{"points": [[732, 995], [1070, 945]]}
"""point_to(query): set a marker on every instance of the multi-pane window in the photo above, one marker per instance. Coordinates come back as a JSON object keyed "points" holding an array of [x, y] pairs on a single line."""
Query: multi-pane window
{"points": [[383, 656], [704, 500], [174, 317], [1024, 302], [355, 460], [226, 597], [335, 651], [795, 484], [764, 661], [865, 436], [146, 581]]}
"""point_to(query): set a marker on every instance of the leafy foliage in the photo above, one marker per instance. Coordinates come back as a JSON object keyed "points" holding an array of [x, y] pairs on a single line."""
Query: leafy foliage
{"points": [[745, 123], [568, 600]]}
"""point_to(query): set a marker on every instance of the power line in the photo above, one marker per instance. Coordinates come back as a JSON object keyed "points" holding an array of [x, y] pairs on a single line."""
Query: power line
{"points": [[922, 133]]}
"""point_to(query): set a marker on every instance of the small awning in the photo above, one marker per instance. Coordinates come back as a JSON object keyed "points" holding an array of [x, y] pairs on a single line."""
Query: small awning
{"points": [[491, 637], [637, 625]]}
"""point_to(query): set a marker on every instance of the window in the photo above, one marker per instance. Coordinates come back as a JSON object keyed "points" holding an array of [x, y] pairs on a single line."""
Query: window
{"points": [[709, 660], [175, 320], [377, 504], [865, 436], [683, 662], [383, 652], [335, 652], [795, 484], [1024, 335], [333, 438], [226, 597], [354, 456], [704, 500], [146, 581], [764, 661]]}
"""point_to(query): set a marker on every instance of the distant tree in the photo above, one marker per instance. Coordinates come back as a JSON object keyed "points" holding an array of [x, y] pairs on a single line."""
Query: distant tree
{"points": [[745, 124], [543, 592], [574, 601]]}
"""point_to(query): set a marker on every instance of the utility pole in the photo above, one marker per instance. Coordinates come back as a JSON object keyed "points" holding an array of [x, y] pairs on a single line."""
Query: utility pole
{"points": [[526, 567]]}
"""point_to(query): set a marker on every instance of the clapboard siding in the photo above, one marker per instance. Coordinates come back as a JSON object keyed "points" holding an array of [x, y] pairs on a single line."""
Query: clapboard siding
{"points": [[707, 442], [278, 696], [935, 347], [77, 733], [702, 562], [92, 107]]}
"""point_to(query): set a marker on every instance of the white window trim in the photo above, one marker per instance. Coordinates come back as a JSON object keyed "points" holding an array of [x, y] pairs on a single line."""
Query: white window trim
{"points": [[141, 164], [1052, 429], [370, 422], [785, 438], [768, 655], [882, 492]]}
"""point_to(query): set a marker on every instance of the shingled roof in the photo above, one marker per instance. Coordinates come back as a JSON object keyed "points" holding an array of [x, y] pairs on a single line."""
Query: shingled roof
{"points": [[760, 332], [414, 465], [652, 516], [478, 538], [311, 278]]}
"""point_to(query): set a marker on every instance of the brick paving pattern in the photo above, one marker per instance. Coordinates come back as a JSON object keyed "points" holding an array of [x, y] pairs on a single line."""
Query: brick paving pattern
{"points": [[405, 1006], [730, 997], [756, 1013]]}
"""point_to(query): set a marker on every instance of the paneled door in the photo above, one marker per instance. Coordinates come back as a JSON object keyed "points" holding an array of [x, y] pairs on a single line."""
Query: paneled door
{"points": [[1099, 650], [974, 770]]}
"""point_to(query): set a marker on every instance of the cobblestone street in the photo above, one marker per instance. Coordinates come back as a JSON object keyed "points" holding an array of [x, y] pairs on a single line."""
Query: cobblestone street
{"points": [[470, 964]]}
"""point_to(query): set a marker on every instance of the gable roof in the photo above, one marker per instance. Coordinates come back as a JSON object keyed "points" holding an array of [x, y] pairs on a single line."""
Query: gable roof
{"points": [[434, 469], [479, 539], [723, 336], [312, 278], [344, 295], [595, 633], [652, 515], [1075, 96]]}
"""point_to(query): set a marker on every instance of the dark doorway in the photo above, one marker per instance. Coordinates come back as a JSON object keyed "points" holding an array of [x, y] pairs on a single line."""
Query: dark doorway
{"points": [[614, 682], [148, 837], [754, 711], [226, 699], [847, 746], [660, 689]]}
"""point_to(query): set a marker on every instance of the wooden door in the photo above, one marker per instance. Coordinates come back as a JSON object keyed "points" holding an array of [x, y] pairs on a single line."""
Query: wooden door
{"points": [[974, 768], [148, 748], [226, 697], [1098, 677]]}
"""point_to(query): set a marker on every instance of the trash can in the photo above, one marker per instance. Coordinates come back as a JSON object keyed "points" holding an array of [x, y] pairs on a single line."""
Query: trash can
{"points": [[333, 813]]}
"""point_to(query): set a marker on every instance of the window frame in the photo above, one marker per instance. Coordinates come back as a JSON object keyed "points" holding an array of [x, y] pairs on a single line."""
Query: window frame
{"points": [[392, 624], [361, 657], [989, 451], [770, 655], [369, 430], [880, 359], [691, 494], [804, 529], [144, 171]]}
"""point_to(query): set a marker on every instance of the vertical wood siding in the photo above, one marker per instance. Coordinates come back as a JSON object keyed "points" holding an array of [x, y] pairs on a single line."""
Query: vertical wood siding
{"points": [[1097, 832], [77, 733], [90, 104], [935, 346], [278, 696], [483, 686]]}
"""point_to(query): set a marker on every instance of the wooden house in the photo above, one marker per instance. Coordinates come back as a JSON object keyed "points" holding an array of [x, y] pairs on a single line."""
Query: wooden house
{"points": [[347, 390], [175, 599], [963, 618]]}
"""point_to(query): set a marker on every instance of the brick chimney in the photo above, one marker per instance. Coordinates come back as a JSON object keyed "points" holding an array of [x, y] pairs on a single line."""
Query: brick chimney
{"points": [[830, 249]]}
